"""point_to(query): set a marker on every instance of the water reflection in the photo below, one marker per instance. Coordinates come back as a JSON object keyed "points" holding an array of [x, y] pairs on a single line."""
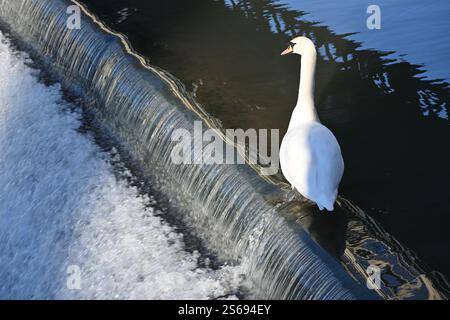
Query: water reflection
{"points": [[392, 123]]}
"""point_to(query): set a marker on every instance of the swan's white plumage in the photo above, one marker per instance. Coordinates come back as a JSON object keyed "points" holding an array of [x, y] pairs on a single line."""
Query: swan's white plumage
{"points": [[310, 155], [311, 161]]}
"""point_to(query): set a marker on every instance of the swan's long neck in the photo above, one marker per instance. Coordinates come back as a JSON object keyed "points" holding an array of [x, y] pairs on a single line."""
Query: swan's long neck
{"points": [[305, 111]]}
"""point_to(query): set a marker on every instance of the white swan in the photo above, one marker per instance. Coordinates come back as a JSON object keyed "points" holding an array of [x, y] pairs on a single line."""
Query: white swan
{"points": [[310, 155]]}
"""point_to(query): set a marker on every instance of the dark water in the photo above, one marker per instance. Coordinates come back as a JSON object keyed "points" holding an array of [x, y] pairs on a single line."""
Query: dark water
{"points": [[392, 123]]}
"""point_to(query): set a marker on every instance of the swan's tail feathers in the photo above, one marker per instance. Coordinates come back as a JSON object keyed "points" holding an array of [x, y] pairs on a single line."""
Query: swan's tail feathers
{"points": [[323, 206], [328, 207], [327, 203]]}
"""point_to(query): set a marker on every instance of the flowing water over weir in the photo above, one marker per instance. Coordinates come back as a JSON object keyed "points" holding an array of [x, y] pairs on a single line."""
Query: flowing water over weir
{"points": [[241, 215], [70, 205]]}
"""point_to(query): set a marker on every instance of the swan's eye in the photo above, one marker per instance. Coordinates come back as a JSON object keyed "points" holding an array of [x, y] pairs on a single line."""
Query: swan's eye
{"points": [[292, 44]]}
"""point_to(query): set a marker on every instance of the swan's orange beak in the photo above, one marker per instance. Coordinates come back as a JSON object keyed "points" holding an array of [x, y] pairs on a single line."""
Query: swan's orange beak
{"points": [[287, 51]]}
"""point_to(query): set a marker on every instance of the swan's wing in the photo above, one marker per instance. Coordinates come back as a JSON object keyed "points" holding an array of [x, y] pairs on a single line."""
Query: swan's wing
{"points": [[311, 161], [296, 158], [327, 158]]}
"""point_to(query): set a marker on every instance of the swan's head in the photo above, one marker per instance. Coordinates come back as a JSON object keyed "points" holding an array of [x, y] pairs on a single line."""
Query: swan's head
{"points": [[301, 46]]}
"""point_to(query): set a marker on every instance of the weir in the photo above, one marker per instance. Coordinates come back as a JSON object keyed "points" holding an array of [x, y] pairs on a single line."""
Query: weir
{"points": [[241, 215]]}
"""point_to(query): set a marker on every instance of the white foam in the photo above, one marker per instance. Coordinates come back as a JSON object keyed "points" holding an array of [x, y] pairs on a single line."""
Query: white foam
{"points": [[61, 205]]}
